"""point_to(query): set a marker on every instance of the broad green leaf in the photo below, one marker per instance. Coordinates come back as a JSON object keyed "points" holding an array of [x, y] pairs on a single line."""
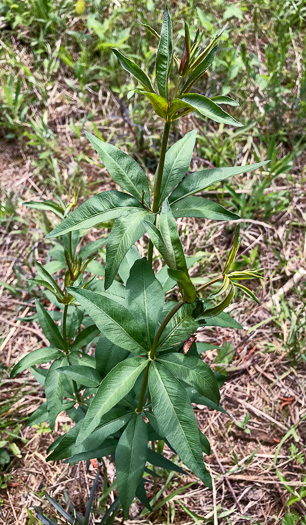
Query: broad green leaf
{"points": [[181, 327], [84, 337], [224, 320], [187, 288], [131, 455], [177, 105], [112, 318], [130, 257], [125, 232], [164, 55], [194, 372], [160, 461], [91, 248], [113, 388], [54, 390], [108, 355], [198, 207], [46, 205], [49, 327], [103, 207], [159, 104], [44, 274], [41, 355], [123, 169], [177, 162], [145, 297], [221, 99], [198, 181], [107, 449], [176, 419], [209, 109], [64, 446], [135, 70], [200, 70], [170, 236], [84, 375]]}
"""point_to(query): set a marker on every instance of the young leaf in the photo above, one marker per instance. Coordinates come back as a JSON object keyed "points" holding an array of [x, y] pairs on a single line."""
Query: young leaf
{"points": [[177, 162], [234, 250], [164, 55], [135, 70], [198, 181], [112, 318], [186, 55], [131, 455], [200, 70], [108, 355], [41, 355], [207, 107], [46, 205], [42, 272], [125, 232], [54, 390], [103, 207], [123, 169], [216, 310], [49, 327], [113, 388], [181, 327], [84, 375], [159, 104], [145, 297], [176, 419], [247, 292], [85, 337], [194, 372], [221, 99], [199, 207]]}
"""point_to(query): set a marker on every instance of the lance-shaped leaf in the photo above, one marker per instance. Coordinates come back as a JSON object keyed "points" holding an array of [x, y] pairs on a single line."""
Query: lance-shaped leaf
{"points": [[159, 244], [209, 47], [234, 250], [125, 232], [168, 230], [176, 419], [186, 55], [198, 181], [177, 105], [85, 337], [200, 70], [135, 70], [54, 390], [84, 375], [145, 297], [108, 355], [160, 461], [112, 318], [185, 284], [194, 372], [177, 162], [142, 495], [123, 169], [221, 99], [46, 205], [41, 355], [181, 326], [216, 310], [199, 207], [107, 449], [151, 30], [209, 109], [49, 327], [131, 455], [103, 207], [247, 292], [45, 276], [224, 320], [113, 388], [159, 104], [164, 55], [125, 267]]}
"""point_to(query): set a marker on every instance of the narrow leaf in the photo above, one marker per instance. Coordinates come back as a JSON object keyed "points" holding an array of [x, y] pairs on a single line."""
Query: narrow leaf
{"points": [[41, 355], [234, 250], [85, 337], [207, 107], [168, 229], [199, 207], [54, 390], [135, 70], [108, 355], [49, 327], [164, 55], [181, 327], [221, 99], [247, 292], [200, 70], [84, 375]]}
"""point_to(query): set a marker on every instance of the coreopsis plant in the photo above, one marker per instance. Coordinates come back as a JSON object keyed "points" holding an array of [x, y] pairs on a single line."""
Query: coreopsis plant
{"points": [[138, 385]]}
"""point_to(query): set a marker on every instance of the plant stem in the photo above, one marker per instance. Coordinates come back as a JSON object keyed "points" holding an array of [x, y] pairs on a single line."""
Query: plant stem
{"points": [[143, 389], [159, 178], [64, 324]]}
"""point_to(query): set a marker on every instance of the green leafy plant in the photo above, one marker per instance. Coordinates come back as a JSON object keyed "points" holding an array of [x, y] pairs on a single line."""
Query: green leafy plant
{"points": [[138, 386]]}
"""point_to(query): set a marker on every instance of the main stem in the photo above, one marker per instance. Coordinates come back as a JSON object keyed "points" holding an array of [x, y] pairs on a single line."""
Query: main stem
{"points": [[159, 178], [152, 352], [75, 388]]}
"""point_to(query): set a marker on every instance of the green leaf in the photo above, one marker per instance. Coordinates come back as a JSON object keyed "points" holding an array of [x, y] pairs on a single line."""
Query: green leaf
{"points": [[159, 104], [200, 70], [54, 390], [224, 320], [221, 99], [187, 288], [64, 446], [41, 355], [135, 70], [159, 244], [247, 292], [108, 355], [234, 250], [181, 326], [103, 207], [142, 495], [200, 180], [125, 232], [145, 297], [160, 461], [216, 310], [42, 272], [112, 318], [207, 107], [46, 205], [84, 375], [164, 55], [204, 444], [38, 416], [49, 327], [131, 455], [151, 30], [177, 162], [170, 236], [199, 207], [125, 267], [176, 419], [107, 449], [91, 248], [194, 372], [85, 337], [113, 388], [177, 105], [123, 169]]}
